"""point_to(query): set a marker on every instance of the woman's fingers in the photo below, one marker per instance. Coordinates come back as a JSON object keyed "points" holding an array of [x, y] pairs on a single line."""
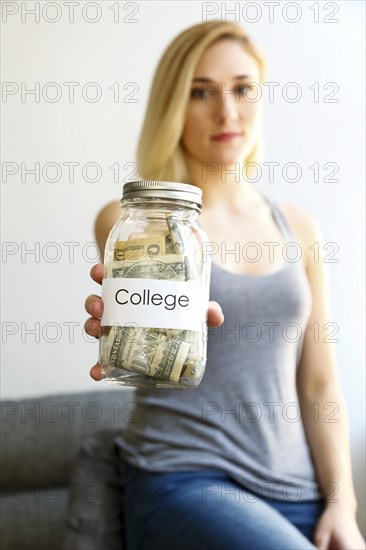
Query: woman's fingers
{"points": [[96, 273], [92, 327], [94, 306], [215, 317], [95, 372], [93, 303]]}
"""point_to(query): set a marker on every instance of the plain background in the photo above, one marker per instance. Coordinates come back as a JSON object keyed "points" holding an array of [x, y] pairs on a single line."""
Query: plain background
{"points": [[44, 348]]}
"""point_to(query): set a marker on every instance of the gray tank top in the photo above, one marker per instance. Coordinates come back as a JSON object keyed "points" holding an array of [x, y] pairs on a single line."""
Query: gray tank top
{"points": [[244, 418]]}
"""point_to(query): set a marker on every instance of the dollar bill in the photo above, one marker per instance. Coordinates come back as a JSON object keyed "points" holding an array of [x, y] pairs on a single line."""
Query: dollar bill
{"points": [[169, 246], [190, 269], [194, 364], [170, 266], [174, 242], [136, 248], [148, 352], [175, 234]]}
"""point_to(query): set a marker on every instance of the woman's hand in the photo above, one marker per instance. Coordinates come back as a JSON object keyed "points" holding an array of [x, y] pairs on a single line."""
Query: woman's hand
{"points": [[94, 306], [337, 530]]}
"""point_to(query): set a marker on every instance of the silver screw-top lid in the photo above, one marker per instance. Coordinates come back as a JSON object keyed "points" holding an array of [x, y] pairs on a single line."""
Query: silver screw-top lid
{"points": [[162, 190]]}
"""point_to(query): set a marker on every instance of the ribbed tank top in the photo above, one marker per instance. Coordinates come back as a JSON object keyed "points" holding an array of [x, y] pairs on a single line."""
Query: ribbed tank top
{"points": [[244, 418]]}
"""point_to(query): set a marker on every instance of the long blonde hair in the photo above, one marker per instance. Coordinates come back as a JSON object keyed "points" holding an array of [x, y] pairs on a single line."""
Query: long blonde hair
{"points": [[159, 153]]}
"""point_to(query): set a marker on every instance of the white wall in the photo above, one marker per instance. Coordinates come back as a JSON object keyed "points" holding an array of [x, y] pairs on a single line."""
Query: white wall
{"points": [[46, 295]]}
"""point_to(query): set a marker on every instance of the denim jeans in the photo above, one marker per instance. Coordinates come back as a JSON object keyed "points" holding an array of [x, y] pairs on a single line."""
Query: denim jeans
{"points": [[208, 510]]}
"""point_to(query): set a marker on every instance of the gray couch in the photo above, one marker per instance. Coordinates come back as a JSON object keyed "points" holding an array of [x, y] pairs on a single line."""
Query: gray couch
{"points": [[60, 479]]}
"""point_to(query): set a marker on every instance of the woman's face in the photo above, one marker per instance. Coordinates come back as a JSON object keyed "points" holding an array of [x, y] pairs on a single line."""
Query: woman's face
{"points": [[222, 118]]}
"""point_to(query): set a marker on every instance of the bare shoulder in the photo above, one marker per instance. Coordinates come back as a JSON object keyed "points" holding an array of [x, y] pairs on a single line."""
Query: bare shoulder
{"points": [[110, 210], [304, 226], [105, 220]]}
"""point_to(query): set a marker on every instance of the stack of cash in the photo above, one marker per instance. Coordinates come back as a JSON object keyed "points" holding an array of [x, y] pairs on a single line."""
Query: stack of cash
{"points": [[175, 356]]}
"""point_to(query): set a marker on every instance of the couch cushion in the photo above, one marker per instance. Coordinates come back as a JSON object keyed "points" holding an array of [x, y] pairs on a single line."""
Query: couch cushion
{"points": [[40, 437], [33, 519], [95, 519]]}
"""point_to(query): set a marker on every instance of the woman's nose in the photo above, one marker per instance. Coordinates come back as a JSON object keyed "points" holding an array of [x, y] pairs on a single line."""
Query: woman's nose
{"points": [[228, 106]]}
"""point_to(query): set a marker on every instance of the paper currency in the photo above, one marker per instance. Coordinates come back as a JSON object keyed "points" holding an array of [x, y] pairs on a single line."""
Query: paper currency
{"points": [[175, 234], [148, 352], [170, 266], [174, 242], [136, 248]]}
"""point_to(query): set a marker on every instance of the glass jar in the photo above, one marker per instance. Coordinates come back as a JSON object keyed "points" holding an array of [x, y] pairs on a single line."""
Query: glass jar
{"points": [[155, 289]]}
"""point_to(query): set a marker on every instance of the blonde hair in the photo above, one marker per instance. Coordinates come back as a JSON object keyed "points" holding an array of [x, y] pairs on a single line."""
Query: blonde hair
{"points": [[160, 155]]}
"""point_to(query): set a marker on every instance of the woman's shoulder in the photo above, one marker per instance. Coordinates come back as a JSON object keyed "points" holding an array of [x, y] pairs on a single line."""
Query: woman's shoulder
{"points": [[300, 220], [303, 225], [113, 208], [105, 220]]}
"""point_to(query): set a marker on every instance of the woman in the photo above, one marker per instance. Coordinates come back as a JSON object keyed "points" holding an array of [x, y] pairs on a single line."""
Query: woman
{"points": [[232, 465]]}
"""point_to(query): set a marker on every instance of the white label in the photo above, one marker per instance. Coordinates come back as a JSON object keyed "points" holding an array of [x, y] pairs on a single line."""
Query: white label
{"points": [[154, 303]]}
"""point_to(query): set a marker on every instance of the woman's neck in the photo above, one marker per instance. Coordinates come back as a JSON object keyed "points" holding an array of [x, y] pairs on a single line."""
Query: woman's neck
{"points": [[224, 187]]}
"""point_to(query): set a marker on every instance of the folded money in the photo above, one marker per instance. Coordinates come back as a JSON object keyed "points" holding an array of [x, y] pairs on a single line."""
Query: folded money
{"points": [[170, 266], [162, 354], [136, 248]]}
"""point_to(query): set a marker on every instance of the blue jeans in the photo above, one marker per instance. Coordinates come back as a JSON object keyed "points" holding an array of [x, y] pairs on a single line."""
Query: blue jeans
{"points": [[207, 510]]}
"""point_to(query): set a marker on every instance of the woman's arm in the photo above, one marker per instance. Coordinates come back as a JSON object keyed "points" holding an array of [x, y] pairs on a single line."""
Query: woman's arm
{"points": [[104, 222], [323, 407]]}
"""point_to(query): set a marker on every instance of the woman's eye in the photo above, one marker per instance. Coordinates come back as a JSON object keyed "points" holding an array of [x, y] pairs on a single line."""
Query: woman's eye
{"points": [[199, 93], [242, 89]]}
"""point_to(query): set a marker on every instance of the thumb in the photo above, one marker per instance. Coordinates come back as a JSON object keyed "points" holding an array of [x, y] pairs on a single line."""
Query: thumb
{"points": [[215, 317]]}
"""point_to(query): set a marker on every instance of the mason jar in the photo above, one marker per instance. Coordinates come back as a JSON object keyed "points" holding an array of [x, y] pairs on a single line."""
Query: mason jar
{"points": [[155, 289]]}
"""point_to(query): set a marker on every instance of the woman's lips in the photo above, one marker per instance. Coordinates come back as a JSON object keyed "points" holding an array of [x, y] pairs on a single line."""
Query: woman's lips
{"points": [[228, 136]]}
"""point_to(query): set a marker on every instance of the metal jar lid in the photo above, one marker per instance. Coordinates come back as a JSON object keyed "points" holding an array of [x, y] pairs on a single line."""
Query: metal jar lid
{"points": [[162, 190]]}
